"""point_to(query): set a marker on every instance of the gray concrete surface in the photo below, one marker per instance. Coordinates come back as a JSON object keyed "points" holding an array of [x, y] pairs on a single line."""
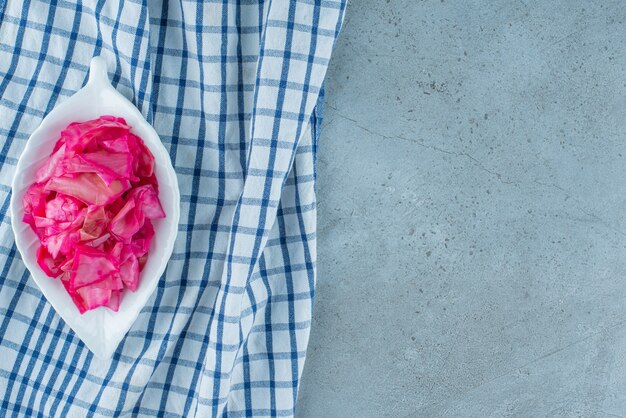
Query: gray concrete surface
{"points": [[472, 213]]}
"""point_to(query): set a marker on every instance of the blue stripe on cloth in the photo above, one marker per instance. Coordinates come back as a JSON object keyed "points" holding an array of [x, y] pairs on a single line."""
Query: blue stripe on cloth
{"points": [[235, 91]]}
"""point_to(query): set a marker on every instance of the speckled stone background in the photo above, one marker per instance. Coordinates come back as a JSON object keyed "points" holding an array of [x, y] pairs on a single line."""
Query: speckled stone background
{"points": [[472, 212]]}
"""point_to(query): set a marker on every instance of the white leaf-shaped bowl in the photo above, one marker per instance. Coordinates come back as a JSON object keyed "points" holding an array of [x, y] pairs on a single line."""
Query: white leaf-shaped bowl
{"points": [[100, 329]]}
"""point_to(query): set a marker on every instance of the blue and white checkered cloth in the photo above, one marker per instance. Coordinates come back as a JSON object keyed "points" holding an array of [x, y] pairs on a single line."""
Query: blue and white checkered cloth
{"points": [[234, 89]]}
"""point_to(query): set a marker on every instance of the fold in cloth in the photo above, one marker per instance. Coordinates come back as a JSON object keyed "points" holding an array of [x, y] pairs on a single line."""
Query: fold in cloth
{"points": [[234, 89]]}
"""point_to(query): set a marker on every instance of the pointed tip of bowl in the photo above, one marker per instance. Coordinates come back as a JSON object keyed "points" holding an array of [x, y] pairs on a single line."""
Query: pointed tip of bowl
{"points": [[98, 71]]}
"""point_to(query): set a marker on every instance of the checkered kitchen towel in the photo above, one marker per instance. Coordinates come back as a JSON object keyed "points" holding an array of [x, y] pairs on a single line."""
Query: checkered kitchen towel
{"points": [[234, 89]]}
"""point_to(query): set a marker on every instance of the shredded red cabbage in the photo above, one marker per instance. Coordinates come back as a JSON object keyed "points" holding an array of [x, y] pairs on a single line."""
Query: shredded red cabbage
{"points": [[91, 208]]}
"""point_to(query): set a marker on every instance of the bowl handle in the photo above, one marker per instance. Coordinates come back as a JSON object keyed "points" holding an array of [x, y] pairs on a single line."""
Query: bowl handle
{"points": [[98, 76]]}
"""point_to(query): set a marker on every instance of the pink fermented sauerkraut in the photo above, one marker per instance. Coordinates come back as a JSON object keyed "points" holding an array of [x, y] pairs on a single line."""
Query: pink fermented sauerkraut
{"points": [[91, 207]]}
